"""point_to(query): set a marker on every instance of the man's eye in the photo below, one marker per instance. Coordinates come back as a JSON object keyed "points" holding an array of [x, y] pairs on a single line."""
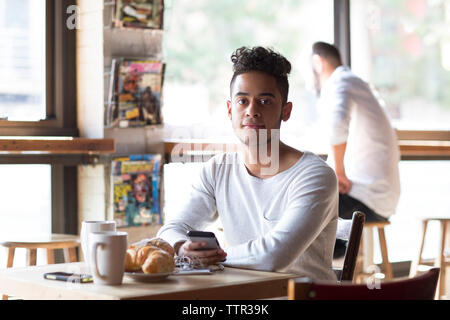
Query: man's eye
{"points": [[242, 101], [265, 101]]}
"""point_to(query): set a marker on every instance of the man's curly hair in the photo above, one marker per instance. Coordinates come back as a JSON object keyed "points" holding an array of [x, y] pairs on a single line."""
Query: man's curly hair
{"points": [[265, 60]]}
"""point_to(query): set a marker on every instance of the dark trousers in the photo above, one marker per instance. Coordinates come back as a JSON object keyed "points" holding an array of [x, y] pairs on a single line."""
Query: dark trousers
{"points": [[348, 205]]}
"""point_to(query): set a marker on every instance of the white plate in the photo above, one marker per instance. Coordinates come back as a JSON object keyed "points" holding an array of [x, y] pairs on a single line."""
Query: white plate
{"points": [[148, 277]]}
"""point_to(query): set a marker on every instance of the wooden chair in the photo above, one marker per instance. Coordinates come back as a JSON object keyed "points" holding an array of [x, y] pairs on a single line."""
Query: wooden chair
{"points": [[442, 260], [422, 287], [351, 231], [50, 243], [385, 264]]}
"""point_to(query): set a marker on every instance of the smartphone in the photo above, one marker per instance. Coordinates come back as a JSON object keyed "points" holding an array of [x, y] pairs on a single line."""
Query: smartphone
{"points": [[204, 236], [68, 277]]}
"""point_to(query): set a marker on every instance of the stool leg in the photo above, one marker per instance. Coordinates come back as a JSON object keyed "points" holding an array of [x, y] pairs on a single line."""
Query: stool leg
{"points": [[50, 256], [384, 254], [368, 248], [10, 261], [440, 261], [70, 255], [418, 261], [357, 277], [31, 257]]}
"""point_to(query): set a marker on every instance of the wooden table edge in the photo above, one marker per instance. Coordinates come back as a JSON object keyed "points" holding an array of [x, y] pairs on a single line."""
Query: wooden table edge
{"points": [[273, 286]]}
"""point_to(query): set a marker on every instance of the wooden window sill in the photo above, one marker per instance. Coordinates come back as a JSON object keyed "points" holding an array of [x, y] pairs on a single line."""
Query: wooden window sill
{"points": [[409, 149], [54, 146]]}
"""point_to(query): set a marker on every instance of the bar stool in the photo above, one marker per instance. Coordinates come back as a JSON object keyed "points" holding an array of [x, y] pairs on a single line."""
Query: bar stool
{"points": [[360, 271], [50, 242], [443, 258]]}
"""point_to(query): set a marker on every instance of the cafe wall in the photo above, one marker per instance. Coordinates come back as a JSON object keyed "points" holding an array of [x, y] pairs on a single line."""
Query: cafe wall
{"points": [[121, 42]]}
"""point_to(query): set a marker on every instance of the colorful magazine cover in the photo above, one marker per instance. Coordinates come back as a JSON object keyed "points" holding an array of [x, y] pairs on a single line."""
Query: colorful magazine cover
{"points": [[137, 190], [139, 13], [139, 92]]}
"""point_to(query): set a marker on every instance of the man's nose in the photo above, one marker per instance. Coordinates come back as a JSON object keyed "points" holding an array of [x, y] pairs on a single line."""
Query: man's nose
{"points": [[253, 110]]}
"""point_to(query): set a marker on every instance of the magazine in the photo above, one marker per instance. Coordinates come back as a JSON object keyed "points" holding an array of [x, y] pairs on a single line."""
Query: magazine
{"points": [[111, 112], [139, 88], [139, 13], [137, 180]]}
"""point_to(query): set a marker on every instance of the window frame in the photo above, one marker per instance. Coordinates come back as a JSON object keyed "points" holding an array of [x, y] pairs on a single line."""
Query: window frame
{"points": [[342, 40], [60, 60]]}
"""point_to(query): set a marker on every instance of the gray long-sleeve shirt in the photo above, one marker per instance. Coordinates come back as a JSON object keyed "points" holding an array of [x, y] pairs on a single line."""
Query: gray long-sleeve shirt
{"points": [[285, 223]]}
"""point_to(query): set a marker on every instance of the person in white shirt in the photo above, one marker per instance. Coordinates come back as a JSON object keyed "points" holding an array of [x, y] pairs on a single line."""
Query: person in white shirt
{"points": [[364, 148], [278, 206]]}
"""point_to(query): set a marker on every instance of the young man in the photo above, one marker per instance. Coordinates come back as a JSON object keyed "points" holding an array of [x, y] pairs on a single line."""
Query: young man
{"points": [[277, 205], [364, 149]]}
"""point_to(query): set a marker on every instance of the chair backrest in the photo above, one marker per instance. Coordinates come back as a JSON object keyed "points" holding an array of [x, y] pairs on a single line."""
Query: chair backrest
{"points": [[422, 287], [351, 231]]}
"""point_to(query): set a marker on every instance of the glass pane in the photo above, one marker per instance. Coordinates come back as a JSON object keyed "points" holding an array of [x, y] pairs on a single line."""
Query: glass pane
{"points": [[22, 60], [199, 39], [425, 186], [178, 178], [25, 204], [403, 48]]}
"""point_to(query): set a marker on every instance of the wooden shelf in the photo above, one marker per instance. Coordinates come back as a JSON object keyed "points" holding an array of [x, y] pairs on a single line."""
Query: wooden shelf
{"points": [[79, 146]]}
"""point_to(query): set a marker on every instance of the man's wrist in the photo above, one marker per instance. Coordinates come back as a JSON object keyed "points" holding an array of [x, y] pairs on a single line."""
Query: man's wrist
{"points": [[178, 245]]}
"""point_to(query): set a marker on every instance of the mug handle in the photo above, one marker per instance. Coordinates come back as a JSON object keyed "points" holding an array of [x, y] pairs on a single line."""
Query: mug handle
{"points": [[94, 260]]}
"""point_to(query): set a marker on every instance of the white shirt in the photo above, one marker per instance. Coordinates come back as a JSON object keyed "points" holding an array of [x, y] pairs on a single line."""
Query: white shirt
{"points": [[371, 159], [285, 223]]}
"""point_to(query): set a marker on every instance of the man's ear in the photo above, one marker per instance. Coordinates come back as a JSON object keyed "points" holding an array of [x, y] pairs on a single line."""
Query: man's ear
{"points": [[317, 63], [229, 109], [286, 113]]}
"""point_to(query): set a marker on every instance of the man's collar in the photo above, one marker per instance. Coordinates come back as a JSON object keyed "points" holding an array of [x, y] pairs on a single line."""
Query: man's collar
{"points": [[335, 74]]}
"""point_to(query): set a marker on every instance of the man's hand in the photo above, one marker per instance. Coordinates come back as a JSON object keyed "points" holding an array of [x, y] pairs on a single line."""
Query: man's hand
{"points": [[206, 257], [344, 183]]}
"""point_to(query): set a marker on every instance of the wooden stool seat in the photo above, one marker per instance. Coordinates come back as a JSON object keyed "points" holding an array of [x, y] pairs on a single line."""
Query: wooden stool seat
{"points": [[385, 264], [443, 258], [50, 243], [378, 224]]}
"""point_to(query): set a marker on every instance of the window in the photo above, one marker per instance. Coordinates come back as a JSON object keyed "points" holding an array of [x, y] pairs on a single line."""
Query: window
{"points": [[403, 49], [199, 39], [22, 60], [25, 204], [425, 189], [37, 69], [37, 98]]}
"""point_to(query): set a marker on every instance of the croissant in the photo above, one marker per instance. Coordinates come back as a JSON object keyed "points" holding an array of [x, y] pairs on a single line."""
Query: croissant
{"points": [[158, 261], [149, 259], [162, 244], [143, 253], [130, 260]]}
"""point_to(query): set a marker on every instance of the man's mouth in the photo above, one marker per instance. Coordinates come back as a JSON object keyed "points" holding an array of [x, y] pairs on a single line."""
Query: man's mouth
{"points": [[253, 126]]}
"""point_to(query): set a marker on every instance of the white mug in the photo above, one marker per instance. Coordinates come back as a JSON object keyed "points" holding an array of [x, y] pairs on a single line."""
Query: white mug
{"points": [[93, 226], [107, 250]]}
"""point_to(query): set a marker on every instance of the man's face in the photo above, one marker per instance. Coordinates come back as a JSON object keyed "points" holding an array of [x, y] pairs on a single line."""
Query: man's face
{"points": [[256, 107]]}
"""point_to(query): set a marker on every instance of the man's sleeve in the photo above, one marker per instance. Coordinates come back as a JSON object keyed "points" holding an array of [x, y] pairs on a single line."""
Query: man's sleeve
{"points": [[312, 205], [194, 212], [339, 107]]}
